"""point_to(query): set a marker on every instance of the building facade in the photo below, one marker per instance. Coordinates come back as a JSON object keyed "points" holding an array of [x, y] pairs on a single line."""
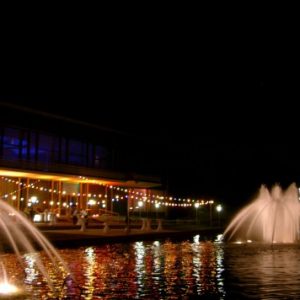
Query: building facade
{"points": [[51, 163]]}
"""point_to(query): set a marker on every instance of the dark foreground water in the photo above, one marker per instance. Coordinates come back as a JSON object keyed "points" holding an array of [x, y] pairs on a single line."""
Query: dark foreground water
{"points": [[169, 269]]}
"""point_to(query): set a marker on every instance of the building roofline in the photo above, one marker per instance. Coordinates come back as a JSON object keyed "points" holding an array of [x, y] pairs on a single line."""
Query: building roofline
{"points": [[103, 178], [64, 119]]}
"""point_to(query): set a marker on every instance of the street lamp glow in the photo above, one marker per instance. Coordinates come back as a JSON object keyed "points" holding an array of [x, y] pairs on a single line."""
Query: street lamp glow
{"points": [[197, 204], [219, 208], [33, 199], [140, 203], [92, 202]]}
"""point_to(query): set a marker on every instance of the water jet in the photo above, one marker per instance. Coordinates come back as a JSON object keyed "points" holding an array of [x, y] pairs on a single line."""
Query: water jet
{"points": [[34, 253], [273, 217]]}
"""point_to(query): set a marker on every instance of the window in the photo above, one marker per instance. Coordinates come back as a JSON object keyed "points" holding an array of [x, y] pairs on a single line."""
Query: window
{"points": [[45, 149], [11, 143], [77, 152], [101, 157]]}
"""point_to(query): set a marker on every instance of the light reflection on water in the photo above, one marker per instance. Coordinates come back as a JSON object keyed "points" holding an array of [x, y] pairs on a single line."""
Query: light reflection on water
{"points": [[169, 269], [263, 271]]}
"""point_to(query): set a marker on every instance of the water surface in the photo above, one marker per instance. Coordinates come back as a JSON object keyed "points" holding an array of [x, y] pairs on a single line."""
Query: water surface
{"points": [[170, 269]]}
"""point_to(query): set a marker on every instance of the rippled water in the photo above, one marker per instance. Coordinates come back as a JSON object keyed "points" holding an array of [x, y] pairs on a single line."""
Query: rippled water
{"points": [[168, 269]]}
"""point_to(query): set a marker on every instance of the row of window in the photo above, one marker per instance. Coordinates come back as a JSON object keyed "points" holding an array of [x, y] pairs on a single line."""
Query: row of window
{"points": [[35, 146]]}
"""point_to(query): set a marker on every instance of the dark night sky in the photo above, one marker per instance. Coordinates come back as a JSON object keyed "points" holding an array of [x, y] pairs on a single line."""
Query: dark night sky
{"points": [[224, 105], [223, 138]]}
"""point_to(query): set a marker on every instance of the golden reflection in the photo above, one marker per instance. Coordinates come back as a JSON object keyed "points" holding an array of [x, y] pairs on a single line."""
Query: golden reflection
{"points": [[171, 267], [139, 262], [157, 258], [139, 270], [196, 239], [90, 258], [31, 271], [155, 273], [220, 269], [187, 267], [208, 268], [43, 275], [196, 246]]}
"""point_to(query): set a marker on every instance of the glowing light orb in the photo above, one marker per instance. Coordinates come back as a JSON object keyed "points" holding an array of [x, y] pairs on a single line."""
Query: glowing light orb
{"points": [[7, 288]]}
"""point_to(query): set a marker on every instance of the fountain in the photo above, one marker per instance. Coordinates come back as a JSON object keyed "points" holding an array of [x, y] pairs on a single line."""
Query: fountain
{"points": [[30, 246], [273, 217]]}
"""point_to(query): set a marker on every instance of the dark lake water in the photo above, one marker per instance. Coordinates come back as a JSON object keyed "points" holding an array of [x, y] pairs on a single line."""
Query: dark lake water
{"points": [[170, 269]]}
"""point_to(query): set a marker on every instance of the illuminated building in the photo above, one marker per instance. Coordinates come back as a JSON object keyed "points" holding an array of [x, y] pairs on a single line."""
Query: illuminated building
{"points": [[54, 163]]}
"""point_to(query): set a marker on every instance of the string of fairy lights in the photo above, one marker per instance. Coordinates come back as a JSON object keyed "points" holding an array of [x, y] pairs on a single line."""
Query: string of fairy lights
{"points": [[120, 193]]}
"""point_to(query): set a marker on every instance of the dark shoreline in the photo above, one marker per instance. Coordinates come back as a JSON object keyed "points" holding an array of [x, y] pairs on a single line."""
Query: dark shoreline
{"points": [[63, 240], [70, 236]]}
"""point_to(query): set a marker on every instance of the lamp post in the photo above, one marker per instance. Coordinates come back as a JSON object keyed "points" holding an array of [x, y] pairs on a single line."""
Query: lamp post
{"points": [[219, 209], [157, 205], [140, 205], [112, 205], [211, 202], [197, 204]]}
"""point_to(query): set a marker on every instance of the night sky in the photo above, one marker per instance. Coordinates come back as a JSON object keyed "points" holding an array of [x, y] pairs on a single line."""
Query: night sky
{"points": [[221, 139], [225, 113]]}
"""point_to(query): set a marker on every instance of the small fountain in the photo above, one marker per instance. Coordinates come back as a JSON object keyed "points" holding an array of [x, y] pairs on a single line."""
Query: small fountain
{"points": [[273, 217], [6, 288], [20, 236]]}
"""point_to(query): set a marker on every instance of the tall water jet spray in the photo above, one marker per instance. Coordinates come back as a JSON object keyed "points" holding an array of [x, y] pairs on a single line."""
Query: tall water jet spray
{"points": [[19, 235], [273, 217]]}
